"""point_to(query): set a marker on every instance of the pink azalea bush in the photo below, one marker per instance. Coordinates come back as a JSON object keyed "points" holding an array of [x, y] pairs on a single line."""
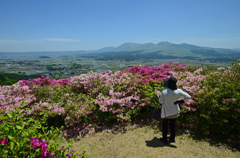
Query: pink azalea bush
{"points": [[190, 82], [15, 96], [158, 73], [104, 94], [86, 102], [44, 81]]}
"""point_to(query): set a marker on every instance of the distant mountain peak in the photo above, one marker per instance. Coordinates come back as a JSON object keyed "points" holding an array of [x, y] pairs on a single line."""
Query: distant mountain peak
{"points": [[164, 44], [106, 49], [128, 45], [148, 44]]}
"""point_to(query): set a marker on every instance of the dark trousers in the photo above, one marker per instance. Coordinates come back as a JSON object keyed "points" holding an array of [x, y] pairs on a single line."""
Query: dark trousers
{"points": [[172, 128]]}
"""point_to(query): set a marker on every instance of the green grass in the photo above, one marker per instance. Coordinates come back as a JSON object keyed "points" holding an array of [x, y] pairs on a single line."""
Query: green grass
{"points": [[143, 142], [178, 52]]}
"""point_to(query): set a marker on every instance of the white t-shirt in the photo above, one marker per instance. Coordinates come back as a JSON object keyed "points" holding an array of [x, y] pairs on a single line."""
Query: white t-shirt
{"points": [[167, 98]]}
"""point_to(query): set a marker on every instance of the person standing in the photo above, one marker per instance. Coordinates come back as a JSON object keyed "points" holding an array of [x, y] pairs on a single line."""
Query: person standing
{"points": [[170, 108]]}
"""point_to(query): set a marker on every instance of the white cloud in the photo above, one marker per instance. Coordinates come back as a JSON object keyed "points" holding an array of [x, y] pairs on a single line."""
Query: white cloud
{"points": [[3, 42], [6, 42], [62, 40]]}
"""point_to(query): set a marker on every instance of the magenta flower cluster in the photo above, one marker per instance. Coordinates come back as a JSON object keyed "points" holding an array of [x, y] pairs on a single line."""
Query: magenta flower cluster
{"points": [[41, 143], [4, 141], [44, 81], [155, 73]]}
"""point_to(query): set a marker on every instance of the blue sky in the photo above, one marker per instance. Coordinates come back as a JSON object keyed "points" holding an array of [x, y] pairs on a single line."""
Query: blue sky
{"points": [[63, 25]]}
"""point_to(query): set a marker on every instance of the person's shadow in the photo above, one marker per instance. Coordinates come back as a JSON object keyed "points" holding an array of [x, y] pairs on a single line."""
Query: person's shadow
{"points": [[155, 143]]}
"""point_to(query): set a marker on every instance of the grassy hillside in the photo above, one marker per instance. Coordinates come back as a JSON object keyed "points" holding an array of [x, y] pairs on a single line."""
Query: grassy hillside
{"points": [[143, 142], [174, 53]]}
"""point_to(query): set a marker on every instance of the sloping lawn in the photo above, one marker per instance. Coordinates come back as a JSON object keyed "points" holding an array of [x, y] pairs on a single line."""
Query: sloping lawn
{"points": [[144, 142]]}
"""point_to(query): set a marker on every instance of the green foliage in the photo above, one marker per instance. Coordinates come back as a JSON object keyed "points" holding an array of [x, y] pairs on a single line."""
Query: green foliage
{"points": [[152, 91], [216, 101], [54, 68], [63, 97], [18, 129], [105, 117], [109, 99], [84, 154], [218, 108], [76, 66], [11, 78], [6, 81]]}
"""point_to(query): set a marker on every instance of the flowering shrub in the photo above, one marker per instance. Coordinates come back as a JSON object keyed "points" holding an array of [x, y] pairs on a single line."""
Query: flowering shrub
{"points": [[88, 101], [150, 74], [26, 137], [218, 103], [15, 96], [190, 82], [44, 81]]}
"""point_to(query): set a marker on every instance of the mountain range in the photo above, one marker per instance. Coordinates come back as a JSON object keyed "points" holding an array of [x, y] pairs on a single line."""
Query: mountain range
{"points": [[146, 51], [163, 50], [161, 45]]}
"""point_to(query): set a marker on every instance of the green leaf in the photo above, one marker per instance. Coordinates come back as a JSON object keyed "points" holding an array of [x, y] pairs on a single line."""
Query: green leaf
{"points": [[11, 145], [224, 120], [10, 137], [19, 127], [18, 109], [18, 145], [30, 120], [2, 117], [9, 115]]}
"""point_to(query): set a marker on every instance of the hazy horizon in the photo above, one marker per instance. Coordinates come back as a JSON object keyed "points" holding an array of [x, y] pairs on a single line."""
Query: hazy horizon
{"points": [[106, 47]]}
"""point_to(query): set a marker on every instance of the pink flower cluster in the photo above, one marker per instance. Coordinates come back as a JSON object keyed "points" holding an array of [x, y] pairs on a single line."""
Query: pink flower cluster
{"points": [[86, 82], [191, 83], [44, 81], [38, 143], [229, 100], [111, 91], [35, 142], [4, 141], [116, 102], [15, 95], [155, 73]]}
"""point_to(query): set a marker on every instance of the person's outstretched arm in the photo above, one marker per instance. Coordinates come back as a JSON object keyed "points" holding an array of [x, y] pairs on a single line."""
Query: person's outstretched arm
{"points": [[186, 98]]}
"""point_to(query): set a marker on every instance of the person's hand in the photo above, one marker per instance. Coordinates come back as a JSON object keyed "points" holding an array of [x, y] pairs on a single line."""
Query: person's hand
{"points": [[179, 101]]}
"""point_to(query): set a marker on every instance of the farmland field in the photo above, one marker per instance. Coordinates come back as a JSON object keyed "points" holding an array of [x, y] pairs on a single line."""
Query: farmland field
{"points": [[69, 65]]}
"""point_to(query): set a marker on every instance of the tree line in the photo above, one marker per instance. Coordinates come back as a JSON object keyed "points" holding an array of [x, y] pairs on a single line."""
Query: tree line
{"points": [[11, 78]]}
